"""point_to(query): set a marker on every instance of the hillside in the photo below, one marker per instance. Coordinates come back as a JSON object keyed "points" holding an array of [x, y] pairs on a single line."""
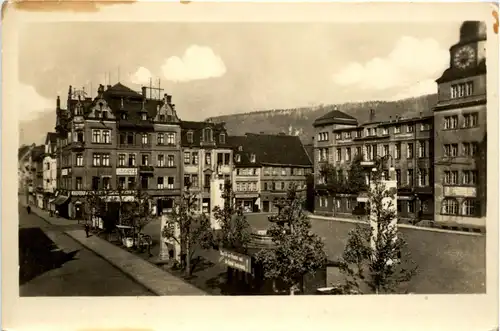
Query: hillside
{"points": [[299, 121], [296, 121]]}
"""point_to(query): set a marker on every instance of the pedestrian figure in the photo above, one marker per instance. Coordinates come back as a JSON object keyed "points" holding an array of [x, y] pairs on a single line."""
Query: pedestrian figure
{"points": [[28, 209], [87, 229]]}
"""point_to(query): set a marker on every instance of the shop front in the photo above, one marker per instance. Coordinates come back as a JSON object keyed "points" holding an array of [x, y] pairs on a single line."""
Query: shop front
{"points": [[61, 205], [250, 203]]}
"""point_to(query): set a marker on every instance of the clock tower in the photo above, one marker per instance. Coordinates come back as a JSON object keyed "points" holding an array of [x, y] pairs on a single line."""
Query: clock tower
{"points": [[460, 133]]}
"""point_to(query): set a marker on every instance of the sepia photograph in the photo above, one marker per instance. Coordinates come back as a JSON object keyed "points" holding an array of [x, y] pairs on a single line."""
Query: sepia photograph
{"points": [[295, 158]]}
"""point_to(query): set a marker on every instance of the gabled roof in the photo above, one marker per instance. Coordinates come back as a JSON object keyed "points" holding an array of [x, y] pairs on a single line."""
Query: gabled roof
{"points": [[335, 117], [310, 151], [51, 138], [196, 128], [271, 149]]}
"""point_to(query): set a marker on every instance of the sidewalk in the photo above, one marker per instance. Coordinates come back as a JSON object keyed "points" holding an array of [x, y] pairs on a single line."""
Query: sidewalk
{"points": [[153, 278]]}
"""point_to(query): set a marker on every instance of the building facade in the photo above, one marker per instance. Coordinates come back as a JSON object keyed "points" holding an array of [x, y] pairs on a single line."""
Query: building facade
{"points": [[460, 139], [116, 144], [24, 170], [49, 170]]}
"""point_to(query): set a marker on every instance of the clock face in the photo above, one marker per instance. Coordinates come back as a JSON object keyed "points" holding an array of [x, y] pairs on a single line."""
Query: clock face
{"points": [[464, 57]]}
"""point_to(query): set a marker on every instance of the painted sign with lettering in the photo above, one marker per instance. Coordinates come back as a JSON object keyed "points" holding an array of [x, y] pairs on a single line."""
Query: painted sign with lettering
{"points": [[236, 260], [126, 171]]}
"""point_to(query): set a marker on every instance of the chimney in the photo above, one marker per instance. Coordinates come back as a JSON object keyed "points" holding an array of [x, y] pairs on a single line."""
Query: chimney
{"points": [[144, 91], [421, 114], [58, 103], [372, 115], [390, 119], [108, 87], [169, 99], [70, 91]]}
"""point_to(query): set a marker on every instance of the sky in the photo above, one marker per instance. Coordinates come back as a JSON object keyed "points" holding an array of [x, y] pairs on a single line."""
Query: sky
{"points": [[222, 68]]}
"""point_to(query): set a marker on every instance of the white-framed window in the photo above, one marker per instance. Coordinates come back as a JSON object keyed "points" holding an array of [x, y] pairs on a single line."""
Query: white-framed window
{"points": [[144, 138], [450, 122], [461, 90], [471, 120], [238, 158], [470, 148], [160, 139], [397, 151], [96, 160], [422, 177], [385, 131], [187, 157], [397, 129], [451, 177], [160, 183], [121, 160], [252, 158], [106, 137], [450, 206], [96, 136], [105, 160], [323, 136], [422, 149], [79, 160], [469, 177], [131, 160], [409, 128], [385, 150], [78, 183], [170, 161], [160, 160], [338, 136], [348, 135], [222, 138], [409, 151], [339, 155], [189, 136], [425, 127], [171, 138], [348, 154], [194, 158], [170, 183], [470, 207]]}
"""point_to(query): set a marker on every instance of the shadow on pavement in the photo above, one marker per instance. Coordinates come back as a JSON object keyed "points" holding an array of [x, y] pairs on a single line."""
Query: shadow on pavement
{"points": [[38, 254]]}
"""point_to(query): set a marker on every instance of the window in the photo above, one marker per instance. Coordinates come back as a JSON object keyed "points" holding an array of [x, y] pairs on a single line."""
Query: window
{"points": [[398, 176], [144, 138], [105, 160], [121, 160], [397, 151], [385, 131], [451, 150], [369, 152], [160, 160], [450, 206], [409, 177], [207, 180], [187, 158], [422, 177], [338, 136], [170, 183], [397, 129], [409, 151], [323, 155], [161, 118], [144, 182], [106, 136], [470, 149], [96, 136], [79, 136], [123, 138], [170, 161], [95, 182], [227, 159], [121, 182], [470, 120], [422, 152], [222, 138], [411, 207], [385, 151], [339, 154], [461, 90], [78, 183], [130, 138], [145, 159], [190, 137], [323, 136], [131, 183], [347, 135], [160, 139], [425, 127], [96, 160], [194, 180], [451, 177], [238, 158], [208, 159], [358, 151], [160, 183], [144, 116], [252, 158], [131, 160], [79, 160], [348, 154], [194, 158], [207, 135], [450, 122], [469, 177], [470, 207], [357, 134], [171, 138], [106, 183], [409, 128]]}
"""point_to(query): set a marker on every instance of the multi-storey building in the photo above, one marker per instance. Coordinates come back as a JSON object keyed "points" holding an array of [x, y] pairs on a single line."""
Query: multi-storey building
{"points": [[460, 132], [207, 159], [24, 169], [49, 169], [266, 166], [37, 171], [117, 143]]}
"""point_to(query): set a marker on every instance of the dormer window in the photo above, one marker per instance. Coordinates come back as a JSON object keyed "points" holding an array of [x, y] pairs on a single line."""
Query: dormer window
{"points": [[190, 137], [124, 116], [222, 138], [238, 158], [252, 158], [104, 114], [144, 116], [162, 118], [208, 135], [240, 148]]}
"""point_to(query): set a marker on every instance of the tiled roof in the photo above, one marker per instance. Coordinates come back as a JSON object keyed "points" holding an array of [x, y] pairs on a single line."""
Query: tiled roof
{"points": [[271, 149], [335, 117], [310, 151], [196, 128], [121, 90], [51, 137]]}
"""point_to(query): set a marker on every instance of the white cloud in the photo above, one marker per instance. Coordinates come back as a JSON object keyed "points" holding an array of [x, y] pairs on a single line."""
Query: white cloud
{"points": [[141, 76], [198, 62], [408, 67], [31, 103], [423, 87]]}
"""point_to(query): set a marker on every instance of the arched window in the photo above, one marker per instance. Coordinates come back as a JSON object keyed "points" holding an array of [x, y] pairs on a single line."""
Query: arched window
{"points": [[449, 206], [470, 207]]}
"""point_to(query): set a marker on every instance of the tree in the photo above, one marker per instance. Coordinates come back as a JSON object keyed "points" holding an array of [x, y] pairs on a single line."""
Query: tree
{"points": [[297, 251], [194, 228], [137, 214], [376, 258], [356, 175], [235, 231]]}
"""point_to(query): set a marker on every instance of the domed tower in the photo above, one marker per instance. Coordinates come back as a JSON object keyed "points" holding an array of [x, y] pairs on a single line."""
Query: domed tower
{"points": [[460, 133]]}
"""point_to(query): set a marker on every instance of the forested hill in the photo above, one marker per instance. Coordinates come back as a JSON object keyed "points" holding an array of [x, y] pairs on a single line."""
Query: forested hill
{"points": [[298, 121]]}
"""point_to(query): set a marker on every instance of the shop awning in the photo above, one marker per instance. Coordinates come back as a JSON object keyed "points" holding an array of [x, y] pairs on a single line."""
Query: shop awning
{"points": [[60, 200]]}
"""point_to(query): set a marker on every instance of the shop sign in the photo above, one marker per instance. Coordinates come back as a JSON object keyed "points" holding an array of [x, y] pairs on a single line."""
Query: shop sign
{"points": [[236, 260], [78, 193], [126, 171]]}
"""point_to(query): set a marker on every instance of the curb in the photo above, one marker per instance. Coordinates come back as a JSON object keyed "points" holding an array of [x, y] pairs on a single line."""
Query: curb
{"points": [[460, 230]]}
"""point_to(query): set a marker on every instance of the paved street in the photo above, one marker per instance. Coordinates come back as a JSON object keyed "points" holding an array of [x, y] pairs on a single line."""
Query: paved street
{"points": [[53, 264]]}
